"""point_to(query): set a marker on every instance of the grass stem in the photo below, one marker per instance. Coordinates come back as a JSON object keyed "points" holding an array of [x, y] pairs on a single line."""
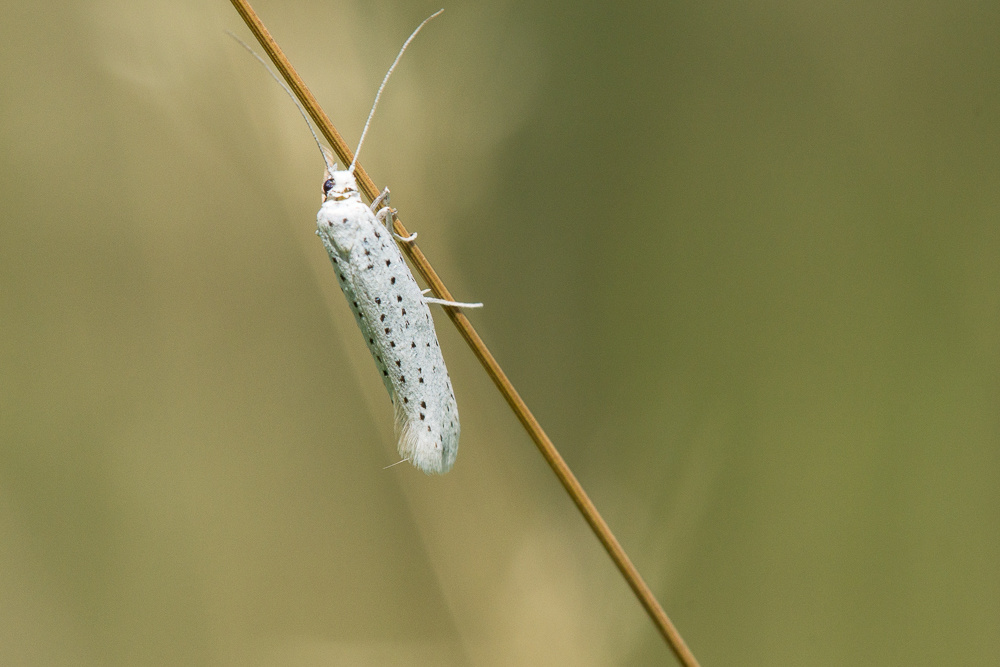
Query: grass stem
{"points": [[531, 425]]}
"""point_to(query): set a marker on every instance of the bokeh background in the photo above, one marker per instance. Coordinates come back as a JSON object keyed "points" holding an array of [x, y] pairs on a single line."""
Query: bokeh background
{"points": [[740, 258]]}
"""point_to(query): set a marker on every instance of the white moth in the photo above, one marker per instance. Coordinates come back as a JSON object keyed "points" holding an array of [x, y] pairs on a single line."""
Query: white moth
{"points": [[396, 323], [390, 308]]}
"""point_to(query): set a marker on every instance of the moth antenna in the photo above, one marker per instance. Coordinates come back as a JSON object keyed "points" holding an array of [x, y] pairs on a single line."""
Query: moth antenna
{"points": [[384, 81], [287, 90]]}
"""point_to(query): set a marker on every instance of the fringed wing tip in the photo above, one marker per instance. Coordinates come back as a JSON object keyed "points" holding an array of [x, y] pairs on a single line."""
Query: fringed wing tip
{"points": [[428, 455]]}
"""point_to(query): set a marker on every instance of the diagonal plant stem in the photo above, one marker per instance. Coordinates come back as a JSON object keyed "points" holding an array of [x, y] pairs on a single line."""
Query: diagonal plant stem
{"points": [[531, 425]]}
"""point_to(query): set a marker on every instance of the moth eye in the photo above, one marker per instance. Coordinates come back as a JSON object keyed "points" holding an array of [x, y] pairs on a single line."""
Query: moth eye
{"points": [[328, 185]]}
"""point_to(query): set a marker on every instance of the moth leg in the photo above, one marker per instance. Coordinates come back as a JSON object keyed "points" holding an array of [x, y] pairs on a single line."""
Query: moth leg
{"points": [[383, 216], [453, 304], [405, 239], [378, 200], [444, 302]]}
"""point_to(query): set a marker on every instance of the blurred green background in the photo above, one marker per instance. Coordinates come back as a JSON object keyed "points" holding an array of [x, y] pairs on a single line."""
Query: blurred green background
{"points": [[740, 259]]}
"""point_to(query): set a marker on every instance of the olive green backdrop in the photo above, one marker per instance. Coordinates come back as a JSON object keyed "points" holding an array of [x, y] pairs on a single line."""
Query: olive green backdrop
{"points": [[740, 259]]}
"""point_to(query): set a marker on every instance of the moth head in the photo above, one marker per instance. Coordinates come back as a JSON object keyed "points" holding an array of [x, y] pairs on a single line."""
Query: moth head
{"points": [[339, 186]]}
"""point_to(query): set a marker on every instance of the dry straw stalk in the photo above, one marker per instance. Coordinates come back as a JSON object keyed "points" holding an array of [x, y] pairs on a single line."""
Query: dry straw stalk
{"points": [[531, 425]]}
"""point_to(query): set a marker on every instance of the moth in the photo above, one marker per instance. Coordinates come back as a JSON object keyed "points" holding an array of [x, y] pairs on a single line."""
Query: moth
{"points": [[392, 314], [390, 309]]}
